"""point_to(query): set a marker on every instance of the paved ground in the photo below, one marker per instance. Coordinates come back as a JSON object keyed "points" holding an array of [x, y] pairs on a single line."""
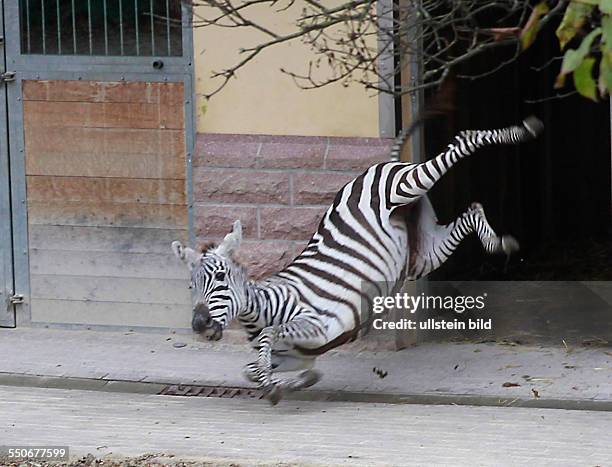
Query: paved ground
{"points": [[582, 374], [303, 433]]}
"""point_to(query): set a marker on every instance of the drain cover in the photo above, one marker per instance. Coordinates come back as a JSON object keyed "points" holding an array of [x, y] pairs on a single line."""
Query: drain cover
{"points": [[211, 391]]}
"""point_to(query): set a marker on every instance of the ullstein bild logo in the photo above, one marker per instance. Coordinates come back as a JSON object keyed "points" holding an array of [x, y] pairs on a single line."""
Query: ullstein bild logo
{"points": [[413, 303]]}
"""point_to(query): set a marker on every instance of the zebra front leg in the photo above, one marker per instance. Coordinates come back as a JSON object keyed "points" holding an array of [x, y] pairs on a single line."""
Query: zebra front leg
{"points": [[304, 331], [436, 243], [267, 338], [409, 182]]}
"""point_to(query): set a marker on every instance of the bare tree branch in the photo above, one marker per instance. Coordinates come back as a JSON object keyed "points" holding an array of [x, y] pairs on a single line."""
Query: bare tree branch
{"points": [[348, 40]]}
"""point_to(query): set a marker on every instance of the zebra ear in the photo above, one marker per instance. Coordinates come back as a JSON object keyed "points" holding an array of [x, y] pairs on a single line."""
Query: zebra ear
{"points": [[231, 242], [187, 255]]}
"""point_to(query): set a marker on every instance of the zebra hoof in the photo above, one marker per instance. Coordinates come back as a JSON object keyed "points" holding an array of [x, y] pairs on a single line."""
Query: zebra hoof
{"points": [[509, 244], [309, 378], [275, 394], [475, 206], [533, 125]]}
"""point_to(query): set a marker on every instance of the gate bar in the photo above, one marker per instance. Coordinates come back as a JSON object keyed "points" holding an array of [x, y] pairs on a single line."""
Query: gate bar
{"points": [[44, 21], [152, 27], [168, 27], [105, 28], [74, 41], [89, 24], [29, 43], [136, 24]]}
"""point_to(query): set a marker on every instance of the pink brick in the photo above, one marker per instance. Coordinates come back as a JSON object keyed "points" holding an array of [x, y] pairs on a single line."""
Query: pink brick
{"points": [[298, 247], [357, 153], [241, 186], [292, 152], [213, 222], [214, 150], [318, 187], [263, 258], [291, 223]]}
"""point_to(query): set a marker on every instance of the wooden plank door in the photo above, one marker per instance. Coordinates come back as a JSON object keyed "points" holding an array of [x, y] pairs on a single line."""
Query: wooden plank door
{"points": [[105, 169]]}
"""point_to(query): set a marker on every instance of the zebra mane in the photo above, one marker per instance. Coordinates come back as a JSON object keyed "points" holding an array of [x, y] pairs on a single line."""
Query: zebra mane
{"points": [[205, 247]]}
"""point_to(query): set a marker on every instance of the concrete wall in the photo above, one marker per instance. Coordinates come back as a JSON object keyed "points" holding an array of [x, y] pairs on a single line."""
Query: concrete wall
{"points": [[262, 100]]}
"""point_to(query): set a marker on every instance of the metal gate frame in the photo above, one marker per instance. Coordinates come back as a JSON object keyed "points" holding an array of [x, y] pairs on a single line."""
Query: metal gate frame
{"points": [[78, 67], [7, 309]]}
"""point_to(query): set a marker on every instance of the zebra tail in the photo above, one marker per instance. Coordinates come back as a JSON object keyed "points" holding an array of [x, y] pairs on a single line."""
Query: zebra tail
{"points": [[406, 133]]}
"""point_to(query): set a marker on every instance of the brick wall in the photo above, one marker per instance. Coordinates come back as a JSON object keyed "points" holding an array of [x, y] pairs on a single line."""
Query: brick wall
{"points": [[278, 186]]}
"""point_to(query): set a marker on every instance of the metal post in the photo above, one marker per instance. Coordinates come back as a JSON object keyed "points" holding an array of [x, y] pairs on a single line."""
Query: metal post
{"points": [[417, 97], [386, 69], [412, 106]]}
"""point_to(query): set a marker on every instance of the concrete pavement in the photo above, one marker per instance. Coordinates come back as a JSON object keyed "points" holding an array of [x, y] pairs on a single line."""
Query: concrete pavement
{"points": [[250, 432], [445, 370]]}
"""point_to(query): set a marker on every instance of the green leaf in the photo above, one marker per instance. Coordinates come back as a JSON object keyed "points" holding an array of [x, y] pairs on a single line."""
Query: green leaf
{"points": [[574, 18], [605, 6], [530, 31], [574, 57], [606, 28], [605, 66], [605, 75], [583, 79]]}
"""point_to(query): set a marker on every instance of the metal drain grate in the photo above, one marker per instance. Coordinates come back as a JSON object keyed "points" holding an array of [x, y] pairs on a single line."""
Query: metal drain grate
{"points": [[211, 391]]}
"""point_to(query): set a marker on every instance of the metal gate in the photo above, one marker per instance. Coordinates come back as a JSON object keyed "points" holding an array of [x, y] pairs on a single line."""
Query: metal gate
{"points": [[100, 131], [7, 310]]}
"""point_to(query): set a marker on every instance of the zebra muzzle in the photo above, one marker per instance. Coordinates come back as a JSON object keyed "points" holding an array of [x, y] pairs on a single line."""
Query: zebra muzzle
{"points": [[201, 318], [214, 332], [202, 323]]}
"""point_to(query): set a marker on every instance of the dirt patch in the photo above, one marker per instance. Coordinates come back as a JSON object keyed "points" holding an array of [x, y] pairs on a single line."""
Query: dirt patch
{"points": [[146, 460]]}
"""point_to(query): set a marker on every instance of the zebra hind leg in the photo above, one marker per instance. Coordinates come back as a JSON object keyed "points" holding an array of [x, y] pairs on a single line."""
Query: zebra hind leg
{"points": [[280, 386], [491, 242], [435, 243], [410, 182]]}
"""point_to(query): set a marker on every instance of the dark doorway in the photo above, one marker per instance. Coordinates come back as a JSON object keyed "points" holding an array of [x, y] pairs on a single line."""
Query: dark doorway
{"points": [[553, 194]]}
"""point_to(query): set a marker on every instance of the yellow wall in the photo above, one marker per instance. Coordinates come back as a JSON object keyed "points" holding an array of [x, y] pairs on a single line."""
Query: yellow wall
{"points": [[262, 100]]}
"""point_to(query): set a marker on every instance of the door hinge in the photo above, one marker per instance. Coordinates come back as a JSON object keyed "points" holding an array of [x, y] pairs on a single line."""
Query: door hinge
{"points": [[7, 77], [16, 299]]}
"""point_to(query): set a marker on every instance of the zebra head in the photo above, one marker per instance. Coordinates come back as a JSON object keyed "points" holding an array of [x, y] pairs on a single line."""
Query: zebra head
{"points": [[219, 284]]}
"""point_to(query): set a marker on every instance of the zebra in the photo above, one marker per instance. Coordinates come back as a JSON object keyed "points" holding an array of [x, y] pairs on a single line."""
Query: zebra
{"points": [[379, 231]]}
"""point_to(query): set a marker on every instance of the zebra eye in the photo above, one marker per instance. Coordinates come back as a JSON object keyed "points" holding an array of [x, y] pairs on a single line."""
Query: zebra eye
{"points": [[220, 276]]}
